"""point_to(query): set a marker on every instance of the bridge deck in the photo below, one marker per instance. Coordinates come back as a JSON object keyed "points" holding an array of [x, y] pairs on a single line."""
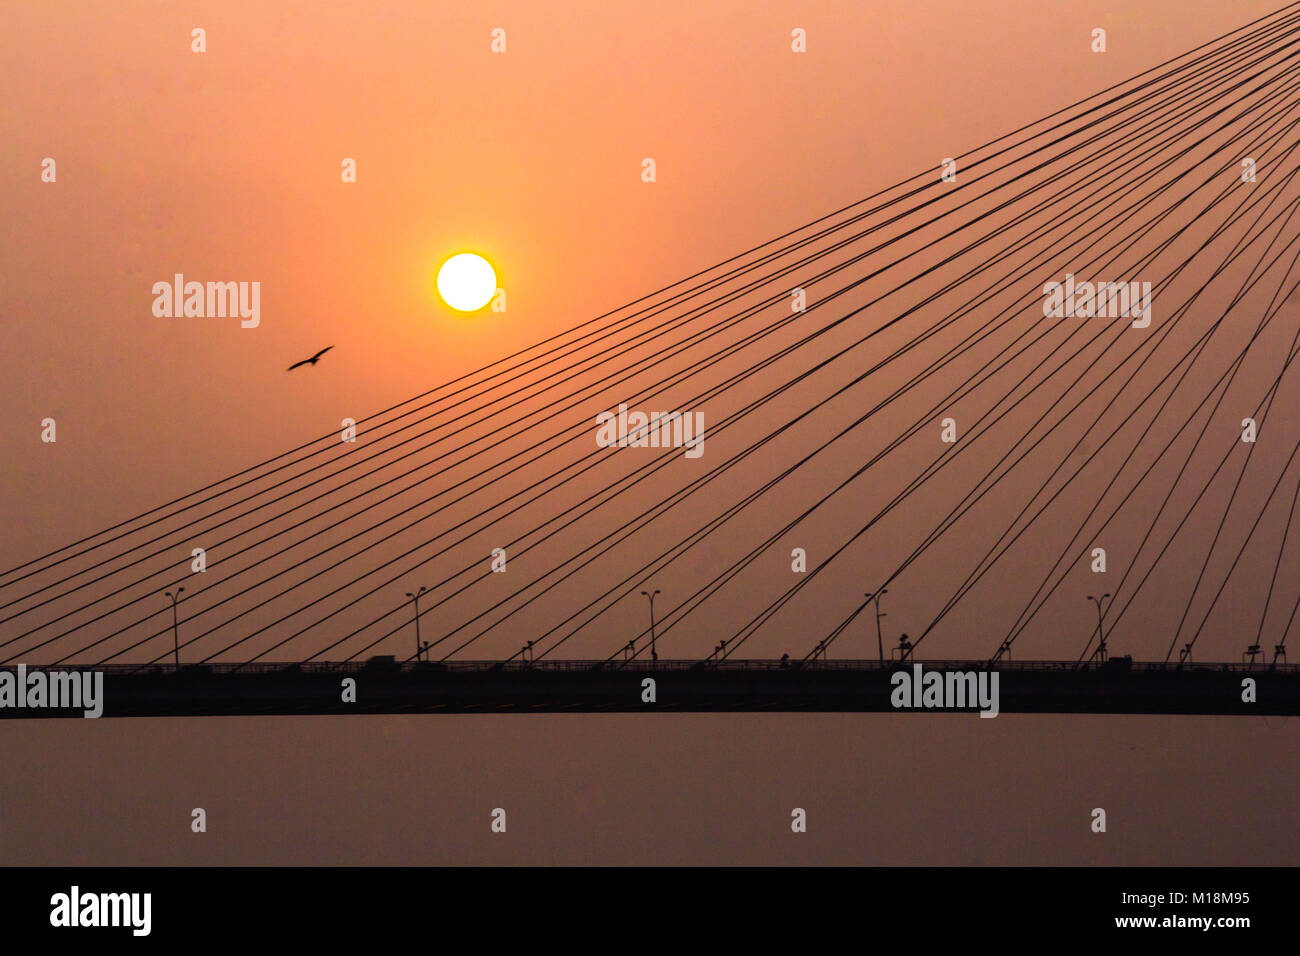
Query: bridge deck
{"points": [[384, 686]]}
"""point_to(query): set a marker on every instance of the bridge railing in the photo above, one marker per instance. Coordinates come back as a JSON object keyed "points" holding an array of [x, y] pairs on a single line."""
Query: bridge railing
{"points": [[663, 665]]}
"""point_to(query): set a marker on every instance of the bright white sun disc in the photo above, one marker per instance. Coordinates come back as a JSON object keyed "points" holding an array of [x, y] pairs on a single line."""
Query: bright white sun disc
{"points": [[466, 282]]}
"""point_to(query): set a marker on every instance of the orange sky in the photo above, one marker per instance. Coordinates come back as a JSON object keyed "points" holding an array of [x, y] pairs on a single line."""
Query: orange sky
{"points": [[225, 165]]}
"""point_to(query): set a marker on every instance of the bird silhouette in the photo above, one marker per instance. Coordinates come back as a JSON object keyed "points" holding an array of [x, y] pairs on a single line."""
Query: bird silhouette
{"points": [[311, 361]]}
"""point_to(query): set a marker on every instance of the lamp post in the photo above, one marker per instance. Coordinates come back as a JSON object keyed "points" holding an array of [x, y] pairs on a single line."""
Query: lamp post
{"points": [[415, 598], [880, 640], [654, 654], [1101, 633], [176, 640]]}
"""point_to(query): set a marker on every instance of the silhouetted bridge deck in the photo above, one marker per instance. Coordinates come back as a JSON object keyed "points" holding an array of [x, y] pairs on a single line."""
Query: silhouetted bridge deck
{"points": [[384, 686]]}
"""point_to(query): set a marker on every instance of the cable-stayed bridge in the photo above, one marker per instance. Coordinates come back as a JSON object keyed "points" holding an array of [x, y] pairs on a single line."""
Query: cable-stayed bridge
{"points": [[1033, 405]]}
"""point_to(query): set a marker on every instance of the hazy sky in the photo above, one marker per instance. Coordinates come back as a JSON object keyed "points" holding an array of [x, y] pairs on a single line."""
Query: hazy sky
{"points": [[225, 166]]}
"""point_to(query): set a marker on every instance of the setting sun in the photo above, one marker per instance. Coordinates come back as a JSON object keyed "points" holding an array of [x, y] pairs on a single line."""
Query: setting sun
{"points": [[466, 282]]}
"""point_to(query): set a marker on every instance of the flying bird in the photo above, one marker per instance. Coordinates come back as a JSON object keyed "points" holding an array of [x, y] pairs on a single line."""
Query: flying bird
{"points": [[311, 361]]}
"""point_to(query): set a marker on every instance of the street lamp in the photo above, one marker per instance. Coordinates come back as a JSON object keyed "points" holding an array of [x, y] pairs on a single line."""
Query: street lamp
{"points": [[1101, 634], [880, 640], [419, 648], [176, 640], [654, 654]]}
